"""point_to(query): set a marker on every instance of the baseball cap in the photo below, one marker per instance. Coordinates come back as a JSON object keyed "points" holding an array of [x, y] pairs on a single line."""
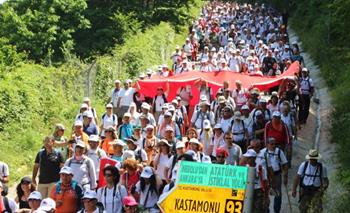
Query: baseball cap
{"points": [[60, 127], [35, 195], [245, 107], [169, 128], [165, 106], [217, 126], [203, 98], [250, 153], [206, 159], [94, 138], [175, 101], [171, 108], [180, 145], [149, 126], [89, 194], [84, 105], [118, 142], [109, 105], [145, 105], [47, 204], [237, 115], [66, 170], [117, 81], [206, 124], [127, 114], [88, 114], [129, 201], [276, 114], [78, 123], [128, 154], [192, 154], [304, 69], [80, 144], [168, 113], [263, 100], [195, 140], [27, 180], [147, 172], [258, 113]]}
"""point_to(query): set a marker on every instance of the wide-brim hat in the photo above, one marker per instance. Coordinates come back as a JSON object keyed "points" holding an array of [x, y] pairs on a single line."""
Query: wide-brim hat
{"points": [[313, 155]]}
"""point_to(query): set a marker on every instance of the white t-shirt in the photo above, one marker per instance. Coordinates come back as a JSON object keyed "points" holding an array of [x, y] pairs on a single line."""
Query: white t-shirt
{"points": [[225, 124], [234, 154], [152, 198], [107, 121], [276, 158], [4, 169], [95, 156], [312, 174], [159, 102], [163, 162], [114, 97], [217, 142], [126, 96], [238, 131], [112, 203]]}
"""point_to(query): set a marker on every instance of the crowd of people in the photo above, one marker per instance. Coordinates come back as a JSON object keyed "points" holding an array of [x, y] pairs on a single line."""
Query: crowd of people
{"points": [[127, 158]]}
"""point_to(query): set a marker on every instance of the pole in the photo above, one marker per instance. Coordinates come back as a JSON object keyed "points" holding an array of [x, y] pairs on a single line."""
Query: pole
{"points": [[249, 192]]}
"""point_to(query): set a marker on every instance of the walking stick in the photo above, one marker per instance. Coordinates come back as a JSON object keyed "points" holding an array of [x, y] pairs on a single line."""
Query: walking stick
{"points": [[289, 203]]}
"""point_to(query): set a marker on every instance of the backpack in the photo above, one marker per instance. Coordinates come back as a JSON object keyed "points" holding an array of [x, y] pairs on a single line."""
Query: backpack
{"points": [[74, 185], [154, 101], [268, 112], [207, 116], [113, 116], [6, 205], [173, 165], [319, 165], [308, 82], [232, 122]]}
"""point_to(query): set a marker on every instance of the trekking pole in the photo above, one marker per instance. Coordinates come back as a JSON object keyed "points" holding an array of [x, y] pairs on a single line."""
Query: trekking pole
{"points": [[289, 203]]}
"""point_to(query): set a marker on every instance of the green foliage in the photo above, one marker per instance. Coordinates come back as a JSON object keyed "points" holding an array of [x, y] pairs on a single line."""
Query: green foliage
{"points": [[41, 27], [8, 54]]}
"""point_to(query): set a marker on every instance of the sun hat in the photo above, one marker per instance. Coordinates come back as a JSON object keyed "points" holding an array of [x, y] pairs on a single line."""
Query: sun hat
{"points": [[250, 153], [47, 204], [94, 138], [313, 155], [35, 195]]}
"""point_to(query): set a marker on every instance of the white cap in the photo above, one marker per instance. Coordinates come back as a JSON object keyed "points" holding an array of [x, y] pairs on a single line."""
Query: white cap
{"points": [[147, 172], [128, 154], [94, 138], [262, 100], [217, 126], [118, 142], [127, 114], [117, 81], [192, 153], [168, 113], [149, 126], [203, 98], [304, 69], [180, 145], [169, 128], [84, 105], [195, 140], [206, 159], [250, 153], [145, 105], [80, 144], [237, 115], [89, 194], [128, 81], [206, 124], [276, 114], [88, 114], [66, 170], [164, 141], [78, 123], [47, 204], [35, 195], [171, 108], [86, 99], [258, 113], [245, 107], [109, 105], [165, 106], [175, 101]]}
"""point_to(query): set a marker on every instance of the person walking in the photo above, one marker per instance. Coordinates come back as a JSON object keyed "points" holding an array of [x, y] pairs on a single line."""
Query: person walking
{"points": [[313, 181], [48, 162]]}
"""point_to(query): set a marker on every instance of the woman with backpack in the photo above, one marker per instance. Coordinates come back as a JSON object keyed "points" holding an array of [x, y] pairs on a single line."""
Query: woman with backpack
{"points": [[149, 188], [161, 159], [111, 196], [131, 176]]}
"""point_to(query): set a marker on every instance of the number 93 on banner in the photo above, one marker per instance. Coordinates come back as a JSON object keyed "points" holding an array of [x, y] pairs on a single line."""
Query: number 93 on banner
{"points": [[233, 206]]}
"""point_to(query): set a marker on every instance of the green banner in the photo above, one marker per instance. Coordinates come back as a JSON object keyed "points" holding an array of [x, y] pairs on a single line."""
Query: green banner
{"points": [[213, 175]]}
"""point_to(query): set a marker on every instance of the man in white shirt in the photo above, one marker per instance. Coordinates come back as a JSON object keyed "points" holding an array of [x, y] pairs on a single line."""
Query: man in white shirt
{"points": [[95, 153], [279, 164], [313, 180], [234, 151], [125, 98], [115, 97]]}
